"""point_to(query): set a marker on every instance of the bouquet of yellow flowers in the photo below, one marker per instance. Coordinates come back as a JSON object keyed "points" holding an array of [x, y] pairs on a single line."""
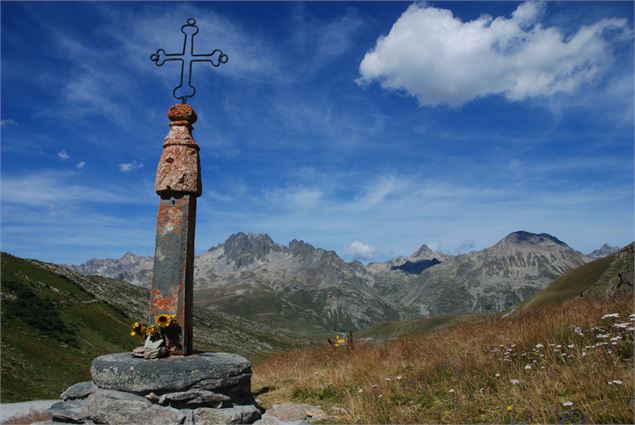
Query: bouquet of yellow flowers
{"points": [[156, 331]]}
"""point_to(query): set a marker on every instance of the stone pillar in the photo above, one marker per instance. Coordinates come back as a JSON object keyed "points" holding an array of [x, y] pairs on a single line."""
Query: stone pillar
{"points": [[178, 183]]}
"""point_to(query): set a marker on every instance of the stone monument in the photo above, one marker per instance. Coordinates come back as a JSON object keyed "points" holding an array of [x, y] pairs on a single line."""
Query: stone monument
{"points": [[166, 381]]}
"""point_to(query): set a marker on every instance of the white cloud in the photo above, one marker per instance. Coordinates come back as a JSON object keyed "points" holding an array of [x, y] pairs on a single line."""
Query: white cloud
{"points": [[295, 196], [127, 167], [360, 250], [8, 122], [43, 189], [63, 155], [439, 59], [380, 189], [81, 164]]}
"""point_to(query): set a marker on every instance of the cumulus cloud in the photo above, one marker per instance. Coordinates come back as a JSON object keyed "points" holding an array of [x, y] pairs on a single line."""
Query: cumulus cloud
{"points": [[81, 164], [127, 167], [63, 155], [439, 59], [360, 250]]}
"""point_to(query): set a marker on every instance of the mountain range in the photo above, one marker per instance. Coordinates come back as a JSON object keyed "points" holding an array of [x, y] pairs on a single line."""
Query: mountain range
{"points": [[298, 284]]}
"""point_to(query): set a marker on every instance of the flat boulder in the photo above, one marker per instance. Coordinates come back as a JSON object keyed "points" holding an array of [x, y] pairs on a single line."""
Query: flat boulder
{"points": [[222, 373], [73, 411]]}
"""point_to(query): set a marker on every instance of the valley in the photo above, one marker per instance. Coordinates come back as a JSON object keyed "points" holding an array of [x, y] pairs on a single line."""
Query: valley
{"points": [[55, 320]]}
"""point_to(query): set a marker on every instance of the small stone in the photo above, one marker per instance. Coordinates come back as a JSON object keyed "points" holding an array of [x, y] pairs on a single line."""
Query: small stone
{"points": [[80, 390], [152, 397], [157, 353], [195, 398], [139, 350], [153, 344], [73, 411], [291, 412], [315, 413], [230, 416]]}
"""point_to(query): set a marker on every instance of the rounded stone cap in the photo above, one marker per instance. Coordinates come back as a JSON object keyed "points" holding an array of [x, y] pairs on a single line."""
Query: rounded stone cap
{"points": [[223, 373], [182, 114]]}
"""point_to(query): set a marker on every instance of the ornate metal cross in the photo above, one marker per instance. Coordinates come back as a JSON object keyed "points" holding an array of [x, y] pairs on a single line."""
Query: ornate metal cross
{"points": [[187, 57]]}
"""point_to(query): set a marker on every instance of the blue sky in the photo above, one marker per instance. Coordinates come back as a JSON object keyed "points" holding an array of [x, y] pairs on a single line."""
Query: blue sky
{"points": [[366, 128]]}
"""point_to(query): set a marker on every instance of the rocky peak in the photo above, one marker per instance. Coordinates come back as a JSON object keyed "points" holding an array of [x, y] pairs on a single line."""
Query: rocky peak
{"points": [[527, 238], [130, 258], [244, 248], [425, 253], [301, 248]]}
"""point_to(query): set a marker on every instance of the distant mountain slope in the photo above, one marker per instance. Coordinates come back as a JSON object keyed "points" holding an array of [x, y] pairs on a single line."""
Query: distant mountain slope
{"points": [[604, 251], [603, 277], [492, 279], [391, 277], [55, 321], [293, 285], [131, 268]]}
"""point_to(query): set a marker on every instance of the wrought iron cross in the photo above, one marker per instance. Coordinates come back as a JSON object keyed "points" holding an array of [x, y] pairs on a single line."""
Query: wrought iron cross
{"points": [[187, 57]]}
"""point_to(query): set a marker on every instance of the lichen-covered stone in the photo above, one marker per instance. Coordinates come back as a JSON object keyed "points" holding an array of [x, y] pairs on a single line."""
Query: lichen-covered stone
{"points": [[195, 398], [118, 407], [223, 373], [73, 411], [230, 416], [80, 390], [182, 112]]}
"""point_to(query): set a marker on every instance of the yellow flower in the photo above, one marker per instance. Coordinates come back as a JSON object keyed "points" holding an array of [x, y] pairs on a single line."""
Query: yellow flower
{"points": [[150, 330], [510, 408], [137, 329], [164, 320]]}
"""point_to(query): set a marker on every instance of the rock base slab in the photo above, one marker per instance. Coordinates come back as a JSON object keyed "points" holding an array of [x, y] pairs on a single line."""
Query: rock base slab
{"points": [[221, 373], [205, 388]]}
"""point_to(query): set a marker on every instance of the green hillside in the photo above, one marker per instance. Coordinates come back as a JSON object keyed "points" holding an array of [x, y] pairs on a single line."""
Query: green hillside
{"points": [[599, 278], [51, 327], [570, 285], [55, 321]]}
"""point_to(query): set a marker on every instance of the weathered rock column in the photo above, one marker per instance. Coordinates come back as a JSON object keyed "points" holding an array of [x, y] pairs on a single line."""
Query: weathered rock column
{"points": [[178, 183]]}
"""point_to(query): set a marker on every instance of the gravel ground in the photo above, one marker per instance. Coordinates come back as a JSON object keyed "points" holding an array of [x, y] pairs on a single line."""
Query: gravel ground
{"points": [[12, 410]]}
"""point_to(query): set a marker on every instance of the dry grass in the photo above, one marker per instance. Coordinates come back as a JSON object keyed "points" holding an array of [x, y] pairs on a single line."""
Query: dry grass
{"points": [[468, 373]]}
